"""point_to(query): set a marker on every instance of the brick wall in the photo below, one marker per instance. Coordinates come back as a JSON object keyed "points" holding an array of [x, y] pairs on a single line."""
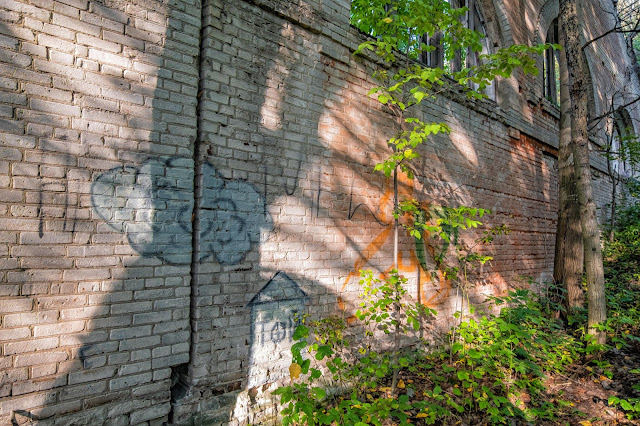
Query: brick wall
{"points": [[98, 129], [179, 182]]}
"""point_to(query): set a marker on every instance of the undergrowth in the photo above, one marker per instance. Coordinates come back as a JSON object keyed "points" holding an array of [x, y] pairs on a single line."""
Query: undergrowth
{"points": [[492, 370]]}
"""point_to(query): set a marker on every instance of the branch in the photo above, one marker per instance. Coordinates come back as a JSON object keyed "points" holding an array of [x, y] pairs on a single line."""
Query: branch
{"points": [[618, 28], [612, 111], [615, 29]]}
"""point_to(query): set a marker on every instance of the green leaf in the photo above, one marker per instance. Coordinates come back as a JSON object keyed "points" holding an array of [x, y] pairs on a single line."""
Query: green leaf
{"points": [[323, 351], [626, 405], [301, 332], [318, 393], [463, 375]]}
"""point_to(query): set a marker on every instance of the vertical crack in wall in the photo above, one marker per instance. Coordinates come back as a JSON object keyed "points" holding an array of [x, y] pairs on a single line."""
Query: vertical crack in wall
{"points": [[180, 382]]}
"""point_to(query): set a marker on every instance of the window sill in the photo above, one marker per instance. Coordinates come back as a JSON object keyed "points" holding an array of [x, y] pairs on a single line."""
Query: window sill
{"points": [[550, 108]]}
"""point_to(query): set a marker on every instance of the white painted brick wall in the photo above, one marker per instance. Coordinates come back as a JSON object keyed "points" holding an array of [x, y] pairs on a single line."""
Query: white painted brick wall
{"points": [[101, 134]]}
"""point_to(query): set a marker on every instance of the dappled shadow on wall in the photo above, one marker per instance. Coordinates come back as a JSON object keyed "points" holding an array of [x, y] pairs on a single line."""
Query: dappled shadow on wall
{"points": [[119, 207]]}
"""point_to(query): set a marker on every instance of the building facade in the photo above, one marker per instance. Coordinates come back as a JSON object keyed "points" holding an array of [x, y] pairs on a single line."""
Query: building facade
{"points": [[181, 180]]}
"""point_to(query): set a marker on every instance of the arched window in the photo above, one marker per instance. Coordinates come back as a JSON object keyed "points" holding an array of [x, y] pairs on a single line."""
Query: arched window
{"points": [[368, 19], [473, 20], [623, 145], [551, 68]]}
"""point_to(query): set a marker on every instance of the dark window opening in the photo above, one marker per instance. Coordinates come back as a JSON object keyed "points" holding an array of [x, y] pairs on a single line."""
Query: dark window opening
{"points": [[551, 67], [439, 55]]}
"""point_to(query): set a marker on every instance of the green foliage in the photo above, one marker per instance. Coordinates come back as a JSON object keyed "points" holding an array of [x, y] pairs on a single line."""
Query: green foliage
{"points": [[352, 365], [499, 363], [495, 364], [622, 279], [443, 225], [631, 406], [380, 301], [493, 371], [398, 26], [623, 254], [514, 350], [623, 148], [622, 274], [397, 29]]}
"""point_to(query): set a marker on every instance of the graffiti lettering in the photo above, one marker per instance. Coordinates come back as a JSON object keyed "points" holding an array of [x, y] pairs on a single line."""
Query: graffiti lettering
{"points": [[231, 217], [152, 204], [275, 313]]}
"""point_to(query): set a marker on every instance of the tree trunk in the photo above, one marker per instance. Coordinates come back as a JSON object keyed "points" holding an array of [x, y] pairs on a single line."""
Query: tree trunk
{"points": [[612, 219], [569, 251], [576, 65]]}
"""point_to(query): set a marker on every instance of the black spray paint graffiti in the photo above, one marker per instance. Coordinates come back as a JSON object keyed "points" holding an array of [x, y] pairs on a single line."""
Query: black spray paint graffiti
{"points": [[275, 313], [152, 204]]}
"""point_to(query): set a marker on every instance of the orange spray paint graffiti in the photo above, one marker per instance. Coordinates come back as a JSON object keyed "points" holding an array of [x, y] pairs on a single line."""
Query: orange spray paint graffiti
{"points": [[408, 262]]}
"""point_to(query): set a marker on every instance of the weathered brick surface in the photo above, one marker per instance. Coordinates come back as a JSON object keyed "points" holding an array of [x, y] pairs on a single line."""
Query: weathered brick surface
{"points": [[177, 182], [96, 144]]}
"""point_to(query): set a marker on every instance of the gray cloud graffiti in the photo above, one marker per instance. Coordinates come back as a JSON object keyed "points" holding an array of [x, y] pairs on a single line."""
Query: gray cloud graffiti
{"points": [[152, 205], [233, 213]]}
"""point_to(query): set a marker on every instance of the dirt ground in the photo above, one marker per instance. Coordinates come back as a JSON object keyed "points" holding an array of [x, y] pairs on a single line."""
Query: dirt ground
{"points": [[589, 389]]}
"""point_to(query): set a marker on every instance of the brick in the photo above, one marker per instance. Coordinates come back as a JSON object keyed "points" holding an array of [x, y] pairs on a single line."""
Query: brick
{"points": [[84, 312], [56, 43], [86, 274], [47, 92], [155, 412], [134, 368], [68, 72], [150, 317], [59, 328], [11, 375], [38, 251], [83, 391], [14, 333], [170, 360], [8, 83], [129, 381], [27, 360], [10, 196], [123, 40], [43, 370], [76, 24], [108, 58], [30, 318], [41, 384], [15, 58], [91, 375], [142, 34], [11, 154], [36, 400], [61, 301], [130, 332], [138, 343], [15, 305], [54, 107], [30, 345], [108, 12]]}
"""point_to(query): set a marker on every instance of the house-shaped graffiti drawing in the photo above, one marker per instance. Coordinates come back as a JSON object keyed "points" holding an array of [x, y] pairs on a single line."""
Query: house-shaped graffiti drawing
{"points": [[276, 310]]}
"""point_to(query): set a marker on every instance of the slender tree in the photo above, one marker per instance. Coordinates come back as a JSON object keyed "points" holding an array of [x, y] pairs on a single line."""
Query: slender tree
{"points": [[577, 79], [569, 252]]}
